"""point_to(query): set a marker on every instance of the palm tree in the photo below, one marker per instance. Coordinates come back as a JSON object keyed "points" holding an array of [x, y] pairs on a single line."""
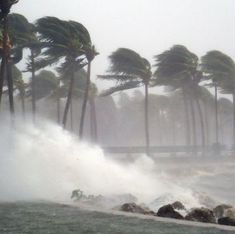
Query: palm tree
{"points": [[90, 53], [22, 35], [45, 83], [130, 70], [64, 42], [225, 117], [178, 68], [93, 92], [207, 100], [5, 6], [220, 69], [20, 85]]}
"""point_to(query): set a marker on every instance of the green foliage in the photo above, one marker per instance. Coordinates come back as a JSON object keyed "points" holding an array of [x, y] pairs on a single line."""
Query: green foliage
{"points": [[5, 6], [128, 68], [45, 83], [22, 35], [62, 40], [220, 68], [175, 67]]}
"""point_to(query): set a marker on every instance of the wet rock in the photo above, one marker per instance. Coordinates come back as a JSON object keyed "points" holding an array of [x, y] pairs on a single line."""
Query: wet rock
{"points": [[177, 205], [230, 212], [134, 208], [201, 215], [226, 221], [168, 211], [220, 210]]}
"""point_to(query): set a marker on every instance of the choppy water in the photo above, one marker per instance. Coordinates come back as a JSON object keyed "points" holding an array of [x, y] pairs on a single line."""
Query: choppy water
{"points": [[42, 218], [45, 162]]}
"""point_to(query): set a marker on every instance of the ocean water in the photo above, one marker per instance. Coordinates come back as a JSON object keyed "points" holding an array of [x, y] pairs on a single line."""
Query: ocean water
{"points": [[48, 218], [44, 162]]}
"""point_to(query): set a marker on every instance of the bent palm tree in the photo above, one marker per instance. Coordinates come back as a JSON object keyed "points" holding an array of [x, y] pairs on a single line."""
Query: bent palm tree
{"points": [[5, 6], [178, 68], [90, 53], [63, 42], [220, 68], [130, 70], [23, 35]]}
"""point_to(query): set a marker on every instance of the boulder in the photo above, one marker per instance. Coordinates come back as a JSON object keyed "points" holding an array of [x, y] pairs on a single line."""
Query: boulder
{"points": [[226, 221], [201, 215], [134, 208], [177, 205], [230, 212], [219, 210], [168, 211]]}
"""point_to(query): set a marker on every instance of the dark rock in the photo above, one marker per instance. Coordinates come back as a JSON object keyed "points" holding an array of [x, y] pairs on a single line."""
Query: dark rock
{"points": [[201, 215], [230, 212], [177, 205], [220, 210], [134, 208], [226, 221], [169, 212]]}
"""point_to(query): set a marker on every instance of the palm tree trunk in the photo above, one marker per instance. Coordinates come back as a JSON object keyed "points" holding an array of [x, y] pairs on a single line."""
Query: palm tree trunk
{"points": [[85, 98], [23, 105], [95, 121], [188, 127], [4, 56], [10, 87], [201, 124], [216, 117], [33, 85], [234, 117], [159, 121], [207, 124], [194, 134], [68, 101], [146, 118], [71, 114], [91, 122], [58, 109]]}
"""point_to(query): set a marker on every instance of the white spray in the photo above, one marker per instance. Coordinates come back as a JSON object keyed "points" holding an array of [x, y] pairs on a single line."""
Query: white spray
{"points": [[45, 162]]}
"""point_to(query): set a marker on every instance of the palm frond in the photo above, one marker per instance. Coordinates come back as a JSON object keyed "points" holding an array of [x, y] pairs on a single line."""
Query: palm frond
{"points": [[121, 87]]}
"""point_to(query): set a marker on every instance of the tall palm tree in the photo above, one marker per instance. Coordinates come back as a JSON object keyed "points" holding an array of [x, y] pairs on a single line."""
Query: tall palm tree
{"points": [[20, 85], [45, 83], [63, 43], [90, 53], [93, 92], [207, 99], [225, 117], [5, 6], [130, 70], [178, 68], [23, 35], [220, 69]]}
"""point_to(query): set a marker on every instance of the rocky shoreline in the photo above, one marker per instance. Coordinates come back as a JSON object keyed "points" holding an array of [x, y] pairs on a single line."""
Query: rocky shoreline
{"points": [[222, 214]]}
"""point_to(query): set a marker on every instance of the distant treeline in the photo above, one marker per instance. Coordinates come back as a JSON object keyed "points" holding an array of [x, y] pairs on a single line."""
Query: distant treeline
{"points": [[188, 114]]}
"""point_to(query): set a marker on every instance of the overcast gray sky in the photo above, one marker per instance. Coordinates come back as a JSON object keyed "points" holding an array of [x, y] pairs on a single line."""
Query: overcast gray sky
{"points": [[147, 26]]}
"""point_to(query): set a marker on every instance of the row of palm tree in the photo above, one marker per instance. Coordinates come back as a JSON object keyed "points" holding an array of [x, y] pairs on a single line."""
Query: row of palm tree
{"points": [[67, 46], [51, 41], [179, 69]]}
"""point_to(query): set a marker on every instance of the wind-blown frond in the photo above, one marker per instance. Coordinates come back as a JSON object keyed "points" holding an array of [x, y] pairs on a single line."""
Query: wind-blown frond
{"points": [[128, 62], [121, 87], [220, 68], [117, 77], [175, 66]]}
